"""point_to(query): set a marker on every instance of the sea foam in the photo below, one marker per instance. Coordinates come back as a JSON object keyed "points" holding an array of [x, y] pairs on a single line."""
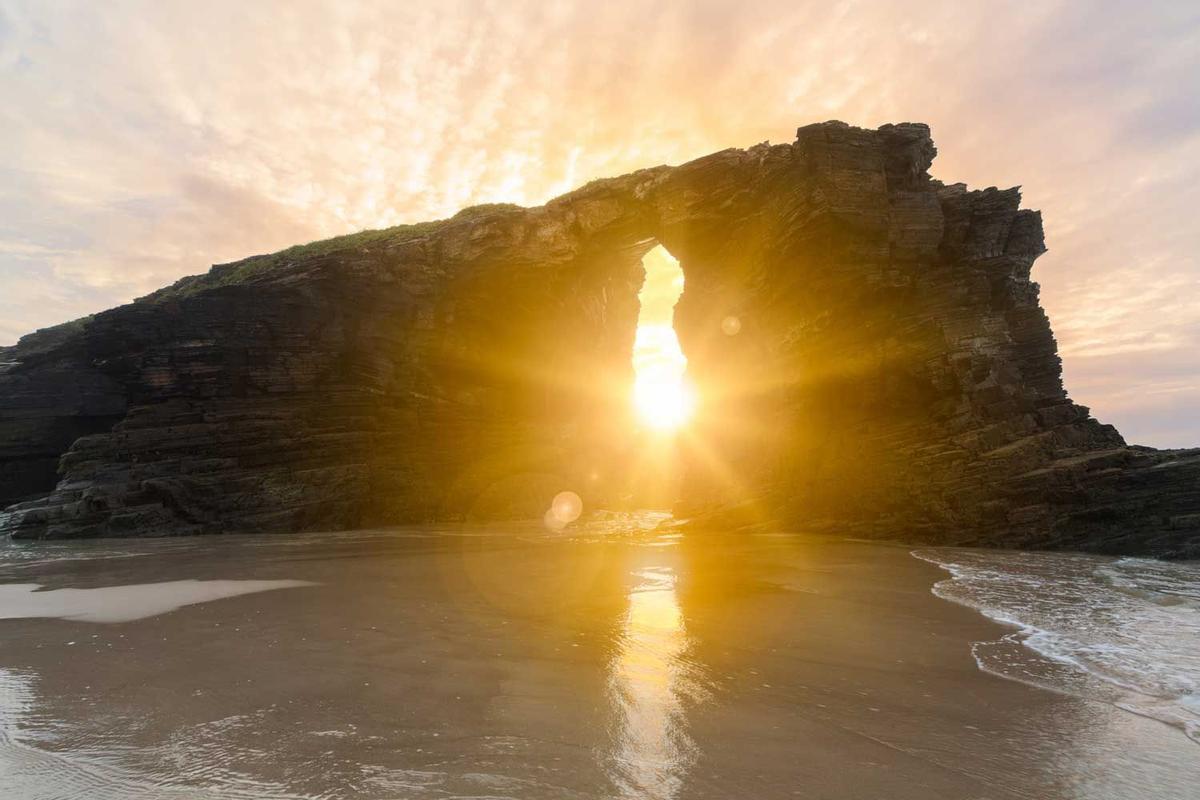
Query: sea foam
{"points": [[1123, 631]]}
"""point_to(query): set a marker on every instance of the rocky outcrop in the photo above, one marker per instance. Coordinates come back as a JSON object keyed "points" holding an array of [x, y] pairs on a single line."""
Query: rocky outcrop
{"points": [[868, 343]]}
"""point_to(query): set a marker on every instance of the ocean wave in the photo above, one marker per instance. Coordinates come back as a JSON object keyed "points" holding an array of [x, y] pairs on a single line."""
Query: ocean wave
{"points": [[1122, 631]]}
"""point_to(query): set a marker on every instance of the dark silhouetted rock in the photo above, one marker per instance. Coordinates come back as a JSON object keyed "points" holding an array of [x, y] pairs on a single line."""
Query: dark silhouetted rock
{"points": [[892, 373]]}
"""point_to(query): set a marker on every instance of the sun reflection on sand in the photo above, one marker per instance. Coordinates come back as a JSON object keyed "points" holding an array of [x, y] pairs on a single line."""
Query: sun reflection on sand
{"points": [[648, 686]]}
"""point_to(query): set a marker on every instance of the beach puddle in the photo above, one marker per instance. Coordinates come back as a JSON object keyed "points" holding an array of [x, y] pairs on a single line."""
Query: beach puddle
{"points": [[111, 604]]}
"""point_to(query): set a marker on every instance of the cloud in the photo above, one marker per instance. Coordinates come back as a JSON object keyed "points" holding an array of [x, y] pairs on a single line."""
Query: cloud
{"points": [[141, 141]]}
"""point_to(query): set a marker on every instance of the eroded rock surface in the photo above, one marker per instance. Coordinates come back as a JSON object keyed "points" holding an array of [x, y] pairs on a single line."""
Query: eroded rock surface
{"points": [[892, 373]]}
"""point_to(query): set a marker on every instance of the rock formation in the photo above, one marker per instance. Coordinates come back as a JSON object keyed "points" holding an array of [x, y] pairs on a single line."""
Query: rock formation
{"points": [[868, 342]]}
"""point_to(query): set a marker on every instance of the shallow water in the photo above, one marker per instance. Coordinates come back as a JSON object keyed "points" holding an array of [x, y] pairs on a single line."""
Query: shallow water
{"points": [[1125, 631], [123, 603], [500, 662]]}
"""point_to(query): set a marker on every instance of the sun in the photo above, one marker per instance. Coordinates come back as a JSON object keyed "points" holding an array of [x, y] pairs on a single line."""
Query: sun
{"points": [[663, 401]]}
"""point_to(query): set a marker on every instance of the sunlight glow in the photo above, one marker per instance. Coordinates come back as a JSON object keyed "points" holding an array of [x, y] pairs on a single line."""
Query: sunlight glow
{"points": [[649, 682], [662, 396], [663, 401]]}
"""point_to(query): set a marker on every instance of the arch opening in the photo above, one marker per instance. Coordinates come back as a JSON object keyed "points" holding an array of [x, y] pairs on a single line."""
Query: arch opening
{"points": [[663, 396]]}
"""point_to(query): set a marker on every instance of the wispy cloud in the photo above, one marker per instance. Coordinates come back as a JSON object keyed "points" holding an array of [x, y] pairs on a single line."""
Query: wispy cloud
{"points": [[141, 141]]}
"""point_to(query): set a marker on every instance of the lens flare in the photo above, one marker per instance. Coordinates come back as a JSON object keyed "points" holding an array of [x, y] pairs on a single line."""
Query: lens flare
{"points": [[564, 509]]}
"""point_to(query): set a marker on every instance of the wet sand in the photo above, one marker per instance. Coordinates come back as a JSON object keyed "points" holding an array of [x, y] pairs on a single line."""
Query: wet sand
{"points": [[502, 662]]}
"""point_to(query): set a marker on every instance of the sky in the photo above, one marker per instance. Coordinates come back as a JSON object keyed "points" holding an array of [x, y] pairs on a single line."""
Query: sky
{"points": [[144, 141], [656, 347]]}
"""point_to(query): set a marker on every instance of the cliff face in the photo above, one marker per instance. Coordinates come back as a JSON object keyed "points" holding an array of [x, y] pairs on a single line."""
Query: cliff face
{"points": [[868, 342]]}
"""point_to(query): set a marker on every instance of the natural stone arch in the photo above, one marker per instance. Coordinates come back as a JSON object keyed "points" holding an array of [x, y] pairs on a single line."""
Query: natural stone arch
{"points": [[893, 374]]}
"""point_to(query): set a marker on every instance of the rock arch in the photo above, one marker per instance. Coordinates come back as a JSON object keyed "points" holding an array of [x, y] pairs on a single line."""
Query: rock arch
{"points": [[892, 375]]}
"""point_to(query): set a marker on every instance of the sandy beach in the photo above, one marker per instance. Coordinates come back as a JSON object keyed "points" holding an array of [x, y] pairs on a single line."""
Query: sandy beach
{"points": [[502, 662]]}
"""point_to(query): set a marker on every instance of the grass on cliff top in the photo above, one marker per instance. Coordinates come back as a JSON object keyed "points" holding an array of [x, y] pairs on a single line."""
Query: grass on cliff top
{"points": [[248, 268], [45, 340]]}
